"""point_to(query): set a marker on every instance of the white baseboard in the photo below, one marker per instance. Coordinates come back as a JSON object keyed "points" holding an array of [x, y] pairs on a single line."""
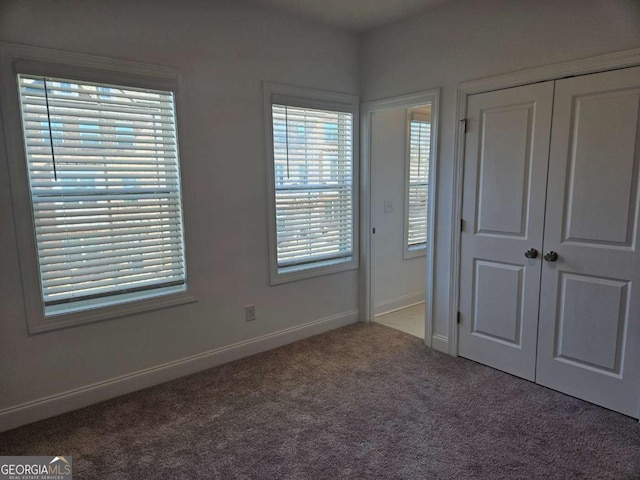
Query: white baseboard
{"points": [[398, 303], [33, 411], [440, 343]]}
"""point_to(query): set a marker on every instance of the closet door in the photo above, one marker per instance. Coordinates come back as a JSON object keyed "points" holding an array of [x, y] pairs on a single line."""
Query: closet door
{"points": [[505, 173], [589, 338]]}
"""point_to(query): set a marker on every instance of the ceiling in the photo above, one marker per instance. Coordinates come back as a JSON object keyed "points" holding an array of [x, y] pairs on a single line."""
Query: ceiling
{"points": [[352, 15]]}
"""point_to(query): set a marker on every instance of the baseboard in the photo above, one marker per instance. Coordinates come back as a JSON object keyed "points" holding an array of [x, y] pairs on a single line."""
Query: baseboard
{"points": [[33, 411], [398, 303], [440, 343]]}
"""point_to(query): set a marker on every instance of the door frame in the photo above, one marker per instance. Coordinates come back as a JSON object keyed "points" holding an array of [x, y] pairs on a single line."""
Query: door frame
{"points": [[367, 109], [584, 66]]}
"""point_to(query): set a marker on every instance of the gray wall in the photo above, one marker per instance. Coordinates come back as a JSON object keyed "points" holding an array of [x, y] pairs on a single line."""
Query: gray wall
{"points": [[225, 51], [470, 39]]}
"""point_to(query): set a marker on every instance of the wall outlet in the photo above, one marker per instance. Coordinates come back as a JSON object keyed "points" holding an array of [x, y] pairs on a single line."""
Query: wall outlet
{"points": [[388, 206], [250, 313]]}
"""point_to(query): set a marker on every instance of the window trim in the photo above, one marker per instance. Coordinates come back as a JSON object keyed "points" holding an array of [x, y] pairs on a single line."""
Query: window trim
{"points": [[421, 251], [16, 59], [320, 99]]}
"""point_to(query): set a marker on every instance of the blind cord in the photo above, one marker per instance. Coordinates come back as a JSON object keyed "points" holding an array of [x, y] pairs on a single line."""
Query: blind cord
{"points": [[53, 155], [286, 133], [419, 146]]}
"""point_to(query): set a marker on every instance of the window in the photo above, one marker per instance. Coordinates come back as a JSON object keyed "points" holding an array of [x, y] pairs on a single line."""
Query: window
{"points": [[104, 182], [418, 167], [312, 186]]}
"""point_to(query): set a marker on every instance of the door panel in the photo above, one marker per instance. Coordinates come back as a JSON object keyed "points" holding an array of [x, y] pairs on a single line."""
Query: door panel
{"points": [[602, 167], [497, 301], [589, 337], [504, 166], [506, 156], [583, 323]]}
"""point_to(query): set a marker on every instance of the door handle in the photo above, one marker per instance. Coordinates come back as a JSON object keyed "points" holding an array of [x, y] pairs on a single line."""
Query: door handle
{"points": [[551, 256], [531, 253]]}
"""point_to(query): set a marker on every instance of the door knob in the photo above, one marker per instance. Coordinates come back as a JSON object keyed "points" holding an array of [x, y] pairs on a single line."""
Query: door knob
{"points": [[551, 256], [531, 253]]}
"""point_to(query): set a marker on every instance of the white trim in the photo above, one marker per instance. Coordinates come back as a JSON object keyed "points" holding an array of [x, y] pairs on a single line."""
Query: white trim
{"points": [[153, 301], [75, 66], [365, 277], [57, 404], [398, 303], [555, 71], [60, 61], [413, 252], [440, 343], [611, 61], [367, 273], [309, 98]]}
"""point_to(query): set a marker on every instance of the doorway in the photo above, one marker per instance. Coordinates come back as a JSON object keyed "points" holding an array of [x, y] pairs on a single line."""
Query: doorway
{"points": [[399, 138]]}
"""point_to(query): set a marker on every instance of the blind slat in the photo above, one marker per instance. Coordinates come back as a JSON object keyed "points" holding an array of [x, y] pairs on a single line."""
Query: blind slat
{"points": [[115, 283], [77, 238], [101, 244], [86, 259], [91, 274]]}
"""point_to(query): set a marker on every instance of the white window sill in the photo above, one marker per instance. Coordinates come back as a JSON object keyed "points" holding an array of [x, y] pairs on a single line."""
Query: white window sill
{"points": [[415, 252], [70, 315], [301, 272]]}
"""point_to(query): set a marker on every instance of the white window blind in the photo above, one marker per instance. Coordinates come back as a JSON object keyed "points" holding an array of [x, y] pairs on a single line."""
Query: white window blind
{"points": [[313, 169], [419, 156], [105, 188]]}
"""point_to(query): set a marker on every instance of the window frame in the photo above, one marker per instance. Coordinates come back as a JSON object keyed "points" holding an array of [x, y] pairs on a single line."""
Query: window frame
{"points": [[16, 59], [415, 252], [274, 93]]}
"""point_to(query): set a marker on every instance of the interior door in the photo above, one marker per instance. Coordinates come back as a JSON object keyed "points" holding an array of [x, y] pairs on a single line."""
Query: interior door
{"points": [[589, 339], [505, 172]]}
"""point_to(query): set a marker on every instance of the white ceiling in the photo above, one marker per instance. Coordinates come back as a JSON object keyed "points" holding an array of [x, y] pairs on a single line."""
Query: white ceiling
{"points": [[353, 15]]}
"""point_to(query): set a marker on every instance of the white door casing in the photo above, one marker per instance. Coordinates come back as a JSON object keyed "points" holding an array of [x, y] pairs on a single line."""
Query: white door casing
{"points": [[367, 275], [505, 170], [589, 327]]}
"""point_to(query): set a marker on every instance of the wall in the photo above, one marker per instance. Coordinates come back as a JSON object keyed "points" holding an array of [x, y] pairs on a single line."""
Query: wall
{"points": [[469, 39], [396, 282], [225, 51]]}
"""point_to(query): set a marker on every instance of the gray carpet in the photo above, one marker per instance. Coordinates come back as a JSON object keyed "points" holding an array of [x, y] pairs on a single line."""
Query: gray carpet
{"points": [[363, 401]]}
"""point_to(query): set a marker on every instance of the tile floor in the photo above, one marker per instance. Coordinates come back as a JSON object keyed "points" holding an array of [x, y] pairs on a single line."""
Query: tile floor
{"points": [[409, 320]]}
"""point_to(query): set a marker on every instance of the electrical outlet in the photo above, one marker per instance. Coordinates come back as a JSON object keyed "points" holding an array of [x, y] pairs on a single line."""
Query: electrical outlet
{"points": [[250, 313], [388, 206]]}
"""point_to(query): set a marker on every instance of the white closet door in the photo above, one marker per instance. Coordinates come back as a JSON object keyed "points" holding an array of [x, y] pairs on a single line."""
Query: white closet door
{"points": [[589, 338], [505, 171]]}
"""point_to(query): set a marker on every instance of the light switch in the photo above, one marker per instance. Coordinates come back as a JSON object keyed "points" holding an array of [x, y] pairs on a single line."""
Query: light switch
{"points": [[388, 206]]}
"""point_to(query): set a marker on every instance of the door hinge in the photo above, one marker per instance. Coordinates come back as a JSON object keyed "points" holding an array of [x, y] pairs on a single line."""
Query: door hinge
{"points": [[464, 125], [458, 318]]}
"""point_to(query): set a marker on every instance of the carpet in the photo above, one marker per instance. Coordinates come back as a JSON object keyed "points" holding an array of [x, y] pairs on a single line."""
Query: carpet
{"points": [[360, 402]]}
